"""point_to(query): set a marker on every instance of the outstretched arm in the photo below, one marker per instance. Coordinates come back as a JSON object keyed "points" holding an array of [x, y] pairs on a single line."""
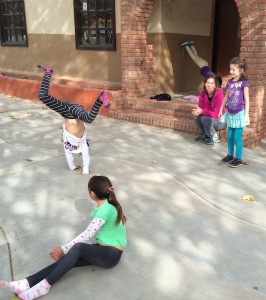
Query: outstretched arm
{"points": [[223, 105], [86, 235]]}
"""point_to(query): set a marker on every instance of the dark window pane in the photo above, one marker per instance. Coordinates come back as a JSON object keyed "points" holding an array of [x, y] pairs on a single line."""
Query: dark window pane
{"points": [[93, 37], [109, 4], [13, 23], [20, 36], [16, 8], [84, 20], [109, 36], [92, 4], [101, 5], [9, 8], [94, 22], [5, 21], [3, 8], [21, 6], [13, 35], [85, 36], [18, 21], [101, 20], [109, 20], [102, 37], [6, 35]]}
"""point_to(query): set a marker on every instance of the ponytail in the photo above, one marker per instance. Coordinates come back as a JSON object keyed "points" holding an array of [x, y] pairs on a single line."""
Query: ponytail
{"points": [[112, 200], [102, 187]]}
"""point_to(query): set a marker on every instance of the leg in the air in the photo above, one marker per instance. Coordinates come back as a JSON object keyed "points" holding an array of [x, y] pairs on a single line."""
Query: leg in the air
{"points": [[200, 62], [55, 104], [69, 110], [88, 117]]}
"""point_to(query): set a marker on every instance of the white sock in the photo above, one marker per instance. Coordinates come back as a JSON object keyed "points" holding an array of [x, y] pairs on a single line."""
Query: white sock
{"points": [[17, 286], [40, 289]]}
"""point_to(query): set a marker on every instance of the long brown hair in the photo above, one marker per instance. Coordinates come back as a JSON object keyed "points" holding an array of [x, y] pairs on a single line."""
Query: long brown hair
{"points": [[242, 64], [103, 189]]}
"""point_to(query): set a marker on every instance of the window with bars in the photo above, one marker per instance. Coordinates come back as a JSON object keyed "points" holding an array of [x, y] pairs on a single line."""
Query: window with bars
{"points": [[13, 23], [95, 24]]}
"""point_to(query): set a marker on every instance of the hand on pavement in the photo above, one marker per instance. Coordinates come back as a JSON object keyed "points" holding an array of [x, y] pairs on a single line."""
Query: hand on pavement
{"points": [[57, 253]]}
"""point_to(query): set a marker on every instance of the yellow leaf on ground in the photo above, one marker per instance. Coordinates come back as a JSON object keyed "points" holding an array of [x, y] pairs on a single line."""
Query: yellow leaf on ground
{"points": [[154, 161], [14, 117], [248, 198]]}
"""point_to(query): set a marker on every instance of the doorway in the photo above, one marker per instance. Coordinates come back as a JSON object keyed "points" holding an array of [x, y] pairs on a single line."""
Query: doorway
{"points": [[226, 35]]}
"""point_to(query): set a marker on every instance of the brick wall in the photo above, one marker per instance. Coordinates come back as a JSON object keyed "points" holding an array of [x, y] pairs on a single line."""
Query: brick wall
{"points": [[225, 35], [253, 49], [138, 58]]}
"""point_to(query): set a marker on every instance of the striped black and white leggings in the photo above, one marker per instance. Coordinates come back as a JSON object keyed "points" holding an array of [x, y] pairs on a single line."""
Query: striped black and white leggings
{"points": [[66, 109]]}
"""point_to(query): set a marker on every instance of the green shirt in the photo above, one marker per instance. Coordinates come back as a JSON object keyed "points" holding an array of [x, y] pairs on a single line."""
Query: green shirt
{"points": [[109, 233]]}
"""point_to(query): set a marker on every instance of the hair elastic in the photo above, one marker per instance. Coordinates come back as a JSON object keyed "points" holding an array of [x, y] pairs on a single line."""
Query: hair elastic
{"points": [[111, 189]]}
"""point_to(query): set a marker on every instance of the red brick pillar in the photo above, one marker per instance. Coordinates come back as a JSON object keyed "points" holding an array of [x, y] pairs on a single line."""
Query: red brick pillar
{"points": [[253, 49], [137, 57]]}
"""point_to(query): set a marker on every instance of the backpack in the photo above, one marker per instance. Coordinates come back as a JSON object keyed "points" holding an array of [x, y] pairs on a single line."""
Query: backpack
{"points": [[161, 97]]}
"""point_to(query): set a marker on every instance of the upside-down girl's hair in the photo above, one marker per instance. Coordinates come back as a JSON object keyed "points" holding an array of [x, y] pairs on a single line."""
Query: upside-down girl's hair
{"points": [[103, 189], [241, 63]]}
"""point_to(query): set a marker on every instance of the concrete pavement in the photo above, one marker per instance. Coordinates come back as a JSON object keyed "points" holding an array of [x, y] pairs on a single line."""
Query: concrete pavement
{"points": [[190, 236]]}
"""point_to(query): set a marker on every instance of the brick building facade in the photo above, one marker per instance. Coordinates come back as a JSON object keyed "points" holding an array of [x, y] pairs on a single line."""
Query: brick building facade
{"points": [[147, 58], [138, 56]]}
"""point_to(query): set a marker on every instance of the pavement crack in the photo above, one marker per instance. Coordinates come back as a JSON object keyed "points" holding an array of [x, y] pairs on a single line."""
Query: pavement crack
{"points": [[211, 203], [9, 252], [193, 191]]}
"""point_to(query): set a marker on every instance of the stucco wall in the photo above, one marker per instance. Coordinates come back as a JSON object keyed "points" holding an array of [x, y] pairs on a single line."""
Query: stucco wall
{"points": [[50, 17], [171, 23], [183, 17], [55, 17], [51, 41]]}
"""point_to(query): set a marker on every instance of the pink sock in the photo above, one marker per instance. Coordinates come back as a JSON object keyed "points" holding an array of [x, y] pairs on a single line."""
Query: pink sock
{"points": [[16, 286], [45, 69], [104, 98], [40, 289]]}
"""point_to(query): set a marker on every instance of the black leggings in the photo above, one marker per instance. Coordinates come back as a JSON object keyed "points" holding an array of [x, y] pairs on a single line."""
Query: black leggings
{"points": [[66, 109], [79, 255]]}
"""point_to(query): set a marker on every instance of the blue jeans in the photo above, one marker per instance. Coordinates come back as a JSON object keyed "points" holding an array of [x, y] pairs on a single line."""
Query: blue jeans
{"points": [[235, 136], [79, 255]]}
